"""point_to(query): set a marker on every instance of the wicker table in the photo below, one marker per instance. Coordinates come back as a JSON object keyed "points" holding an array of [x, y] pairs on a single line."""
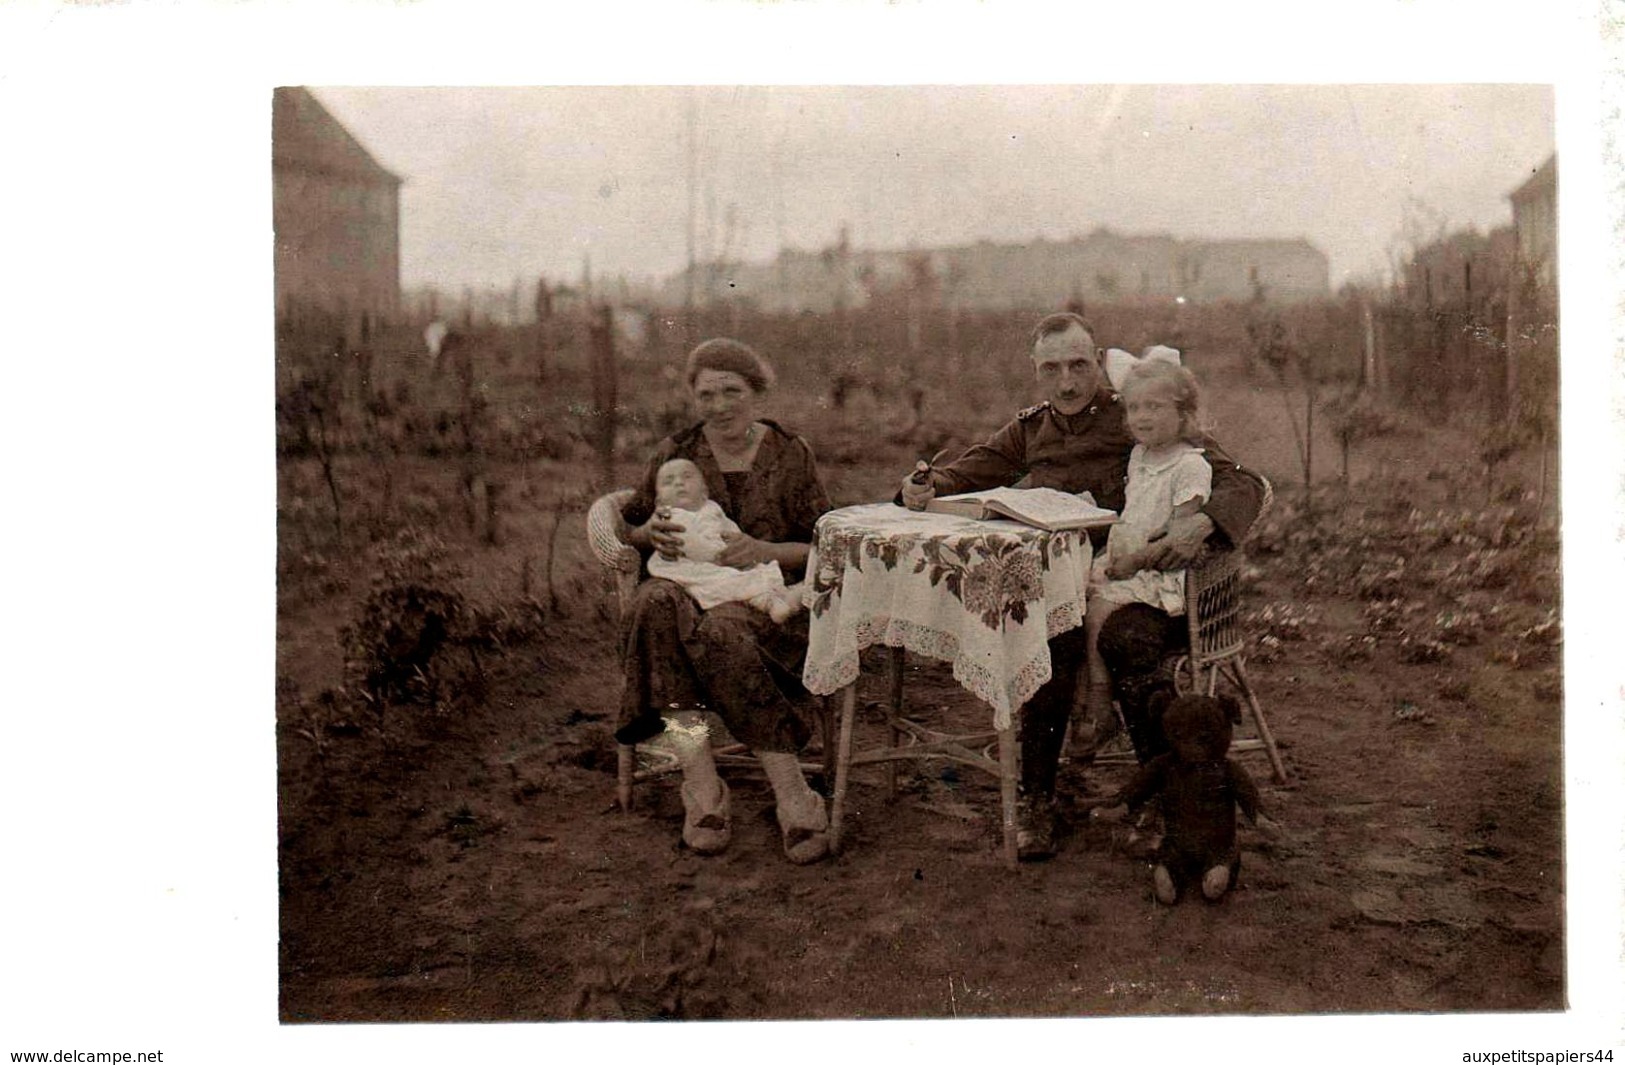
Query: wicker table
{"points": [[986, 596]]}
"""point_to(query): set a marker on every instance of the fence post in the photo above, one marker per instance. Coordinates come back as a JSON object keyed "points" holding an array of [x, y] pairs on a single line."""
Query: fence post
{"points": [[544, 325], [459, 349], [1368, 370], [1514, 323], [601, 348]]}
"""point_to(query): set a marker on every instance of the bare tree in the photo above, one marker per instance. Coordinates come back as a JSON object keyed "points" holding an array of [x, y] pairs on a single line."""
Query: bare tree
{"points": [[1275, 347]]}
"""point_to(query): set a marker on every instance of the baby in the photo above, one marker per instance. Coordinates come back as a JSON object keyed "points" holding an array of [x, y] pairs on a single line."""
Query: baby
{"points": [[679, 486]]}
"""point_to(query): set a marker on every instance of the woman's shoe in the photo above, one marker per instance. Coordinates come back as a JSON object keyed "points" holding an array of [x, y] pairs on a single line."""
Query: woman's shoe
{"points": [[707, 827], [806, 838], [800, 809], [1163, 886]]}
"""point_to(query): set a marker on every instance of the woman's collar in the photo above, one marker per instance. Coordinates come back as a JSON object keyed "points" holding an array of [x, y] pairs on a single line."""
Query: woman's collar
{"points": [[697, 430]]}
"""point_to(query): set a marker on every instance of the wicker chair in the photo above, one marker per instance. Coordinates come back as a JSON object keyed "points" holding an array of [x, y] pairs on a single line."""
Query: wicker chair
{"points": [[1213, 611], [1217, 642], [623, 568], [606, 534]]}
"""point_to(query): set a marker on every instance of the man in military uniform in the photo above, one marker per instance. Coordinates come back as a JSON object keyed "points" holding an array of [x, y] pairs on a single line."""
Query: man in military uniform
{"points": [[1077, 441]]}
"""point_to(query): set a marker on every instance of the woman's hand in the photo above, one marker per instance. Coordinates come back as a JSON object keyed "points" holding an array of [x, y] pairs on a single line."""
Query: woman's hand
{"points": [[742, 551], [660, 534]]}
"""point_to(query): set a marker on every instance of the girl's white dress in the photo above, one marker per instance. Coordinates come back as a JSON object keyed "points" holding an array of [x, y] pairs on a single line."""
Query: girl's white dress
{"points": [[1157, 483], [697, 571]]}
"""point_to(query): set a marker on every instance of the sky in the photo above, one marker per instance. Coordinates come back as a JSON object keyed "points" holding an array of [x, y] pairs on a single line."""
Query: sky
{"points": [[509, 182]]}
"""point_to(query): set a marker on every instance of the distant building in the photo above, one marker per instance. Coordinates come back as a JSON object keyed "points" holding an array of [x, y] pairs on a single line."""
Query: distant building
{"points": [[336, 216], [1102, 266], [1461, 269], [1534, 217], [1285, 270], [1532, 361]]}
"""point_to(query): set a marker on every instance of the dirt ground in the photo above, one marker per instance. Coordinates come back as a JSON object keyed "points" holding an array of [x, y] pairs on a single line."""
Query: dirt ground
{"points": [[473, 866]]}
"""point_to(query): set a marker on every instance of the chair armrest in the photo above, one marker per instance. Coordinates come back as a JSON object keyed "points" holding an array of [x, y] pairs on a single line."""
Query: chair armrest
{"points": [[606, 533], [1263, 507]]}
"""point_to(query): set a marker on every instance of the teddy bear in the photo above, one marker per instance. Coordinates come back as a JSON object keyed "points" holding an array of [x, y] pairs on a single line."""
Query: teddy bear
{"points": [[1198, 788]]}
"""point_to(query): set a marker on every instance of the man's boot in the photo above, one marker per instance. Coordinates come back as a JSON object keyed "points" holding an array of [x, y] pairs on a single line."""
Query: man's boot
{"points": [[1035, 828]]}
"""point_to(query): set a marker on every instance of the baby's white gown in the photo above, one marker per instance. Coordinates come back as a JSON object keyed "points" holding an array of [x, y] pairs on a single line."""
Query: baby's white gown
{"points": [[697, 571]]}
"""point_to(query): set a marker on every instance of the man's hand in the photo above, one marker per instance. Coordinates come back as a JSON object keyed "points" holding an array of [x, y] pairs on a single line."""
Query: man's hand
{"points": [[916, 495], [742, 551], [1177, 546], [1120, 567]]}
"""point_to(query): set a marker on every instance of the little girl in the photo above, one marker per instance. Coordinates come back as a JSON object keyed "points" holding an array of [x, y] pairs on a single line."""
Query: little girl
{"points": [[679, 485], [1167, 478]]}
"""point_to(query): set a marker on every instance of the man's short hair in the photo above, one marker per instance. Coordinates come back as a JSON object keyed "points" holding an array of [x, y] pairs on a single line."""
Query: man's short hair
{"points": [[1060, 322]]}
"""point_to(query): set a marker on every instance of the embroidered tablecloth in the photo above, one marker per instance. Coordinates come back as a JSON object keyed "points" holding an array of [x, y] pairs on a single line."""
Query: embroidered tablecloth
{"points": [[983, 595]]}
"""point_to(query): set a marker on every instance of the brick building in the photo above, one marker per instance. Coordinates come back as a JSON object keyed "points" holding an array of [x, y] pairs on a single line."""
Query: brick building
{"points": [[336, 216]]}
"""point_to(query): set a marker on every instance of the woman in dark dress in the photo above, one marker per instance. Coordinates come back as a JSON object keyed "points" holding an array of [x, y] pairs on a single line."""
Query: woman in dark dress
{"points": [[732, 660]]}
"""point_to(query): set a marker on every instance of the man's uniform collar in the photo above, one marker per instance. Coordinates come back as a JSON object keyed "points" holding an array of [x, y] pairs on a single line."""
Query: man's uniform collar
{"points": [[1101, 400]]}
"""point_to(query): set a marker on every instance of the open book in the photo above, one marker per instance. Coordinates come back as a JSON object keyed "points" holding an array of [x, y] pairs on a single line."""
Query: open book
{"points": [[1042, 508]]}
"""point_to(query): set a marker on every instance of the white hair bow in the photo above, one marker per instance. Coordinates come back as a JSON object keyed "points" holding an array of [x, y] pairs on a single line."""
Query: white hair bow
{"points": [[1118, 362]]}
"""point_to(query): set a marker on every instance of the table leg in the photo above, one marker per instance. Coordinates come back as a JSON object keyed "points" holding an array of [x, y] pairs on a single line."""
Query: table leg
{"points": [[624, 767], [1007, 790], [826, 725], [895, 660], [843, 766]]}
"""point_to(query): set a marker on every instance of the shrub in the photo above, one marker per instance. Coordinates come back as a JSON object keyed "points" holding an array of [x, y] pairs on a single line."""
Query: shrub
{"points": [[1357, 416], [399, 648]]}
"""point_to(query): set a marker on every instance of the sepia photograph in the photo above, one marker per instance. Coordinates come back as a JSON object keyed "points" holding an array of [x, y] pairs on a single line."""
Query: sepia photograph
{"points": [[719, 530], [631, 664]]}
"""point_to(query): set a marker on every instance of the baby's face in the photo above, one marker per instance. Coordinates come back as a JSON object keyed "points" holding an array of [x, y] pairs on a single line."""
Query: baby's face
{"points": [[679, 484]]}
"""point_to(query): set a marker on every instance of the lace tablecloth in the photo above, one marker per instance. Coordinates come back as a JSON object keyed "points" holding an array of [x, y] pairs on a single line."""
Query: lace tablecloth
{"points": [[983, 595]]}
